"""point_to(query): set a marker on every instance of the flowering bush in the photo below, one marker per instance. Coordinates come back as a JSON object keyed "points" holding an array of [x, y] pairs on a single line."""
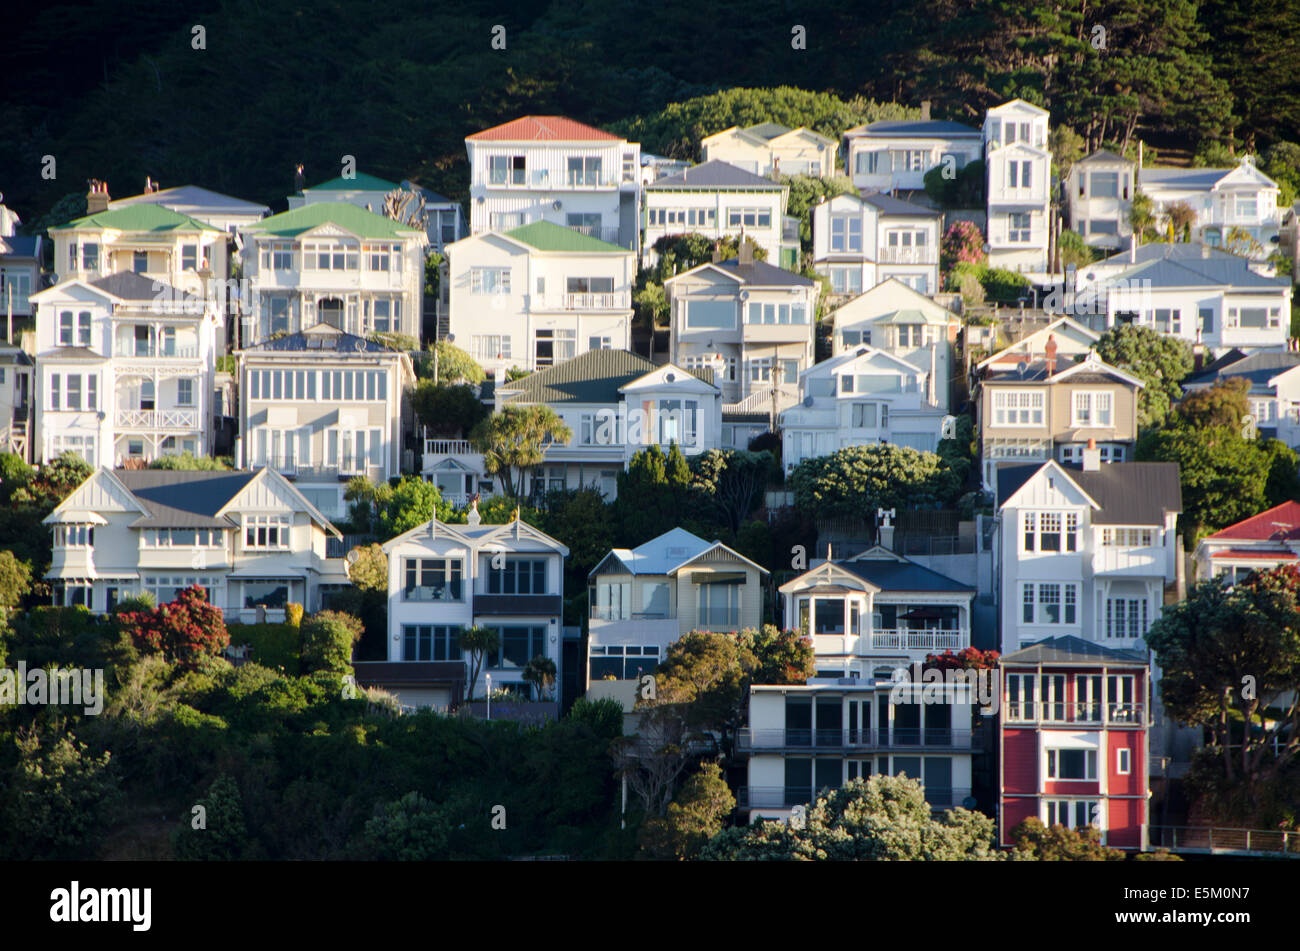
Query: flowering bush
{"points": [[971, 658], [183, 631], [963, 243]]}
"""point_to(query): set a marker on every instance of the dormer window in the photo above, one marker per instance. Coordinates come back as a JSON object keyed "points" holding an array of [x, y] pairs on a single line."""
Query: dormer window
{"points": [[74, 536], [846, 383], [266, 532]]}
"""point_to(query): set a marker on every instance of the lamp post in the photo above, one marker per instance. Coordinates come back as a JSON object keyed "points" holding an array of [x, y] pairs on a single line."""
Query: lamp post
{"points": [[489, 695]]}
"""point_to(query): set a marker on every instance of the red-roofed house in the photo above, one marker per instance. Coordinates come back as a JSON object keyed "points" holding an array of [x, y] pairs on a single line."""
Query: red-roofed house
{"points": [[1258, 543], [551, 168]]}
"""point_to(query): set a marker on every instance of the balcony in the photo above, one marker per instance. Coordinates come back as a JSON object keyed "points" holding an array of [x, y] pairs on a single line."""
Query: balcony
{"points": [[444, 593], [1116, 560], [920, 640], [157, 419], [448, 447], [925, 738], [614, 300], [133, 349], [1050, 713], [914, 255], [786, 797], [600, 232], [523, 605]]}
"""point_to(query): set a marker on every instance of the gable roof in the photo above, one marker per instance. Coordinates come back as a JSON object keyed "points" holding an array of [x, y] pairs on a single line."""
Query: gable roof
{"points": [[1070, 649], [915, 127], [900, 574], [1281, 523], [360, 183], [543, 129], [480, 534], [1079, 368], [1205, 178], [859, 352], [1200, 272], [760, 274], [142, 217], [715, 173], [192, 196], [1125, 493], [548, 236], [176, 499], [1260, 367], [358, 221], [591, 377], [1103, 155], [1061, 323], [128, 285], [340, 342], [889, 205], [20, 246]]}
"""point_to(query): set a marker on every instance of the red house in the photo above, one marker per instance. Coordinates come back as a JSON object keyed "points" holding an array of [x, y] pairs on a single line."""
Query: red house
{"points": [[1072, 739]]}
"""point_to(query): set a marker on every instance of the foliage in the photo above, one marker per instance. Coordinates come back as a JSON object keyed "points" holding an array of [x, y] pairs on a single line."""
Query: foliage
{"points": [[1160, 361], [411, 829], [732, 482], [54, 481], [188, 462], [403, 343], [327, 641], [1142, 217], [957, 452], [964, 189], [15, 581], [1003, 286], [604, 717], [369, 569], [183, 631], [1076, 251], [963, 243], [1067, 147], [276, 646], [512, 440], [1035, 842], [410, 503], [694, 817], [224, 834], [478, 642], [446, 409], [1223, 404], [539, 673], [14, 473], [964, 279], [806, 192], [782, 656], [1281, 162], [454, 365], [969, 658], [863, 478], [883, 819], [293, 613], [1212, 153], [651, 305]]}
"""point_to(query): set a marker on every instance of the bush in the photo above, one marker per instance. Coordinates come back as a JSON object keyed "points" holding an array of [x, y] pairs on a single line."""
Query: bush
{"points": [[14, 473], [327, 642], [293, 614], [222, 834], [274, 645], [1003, 286]]}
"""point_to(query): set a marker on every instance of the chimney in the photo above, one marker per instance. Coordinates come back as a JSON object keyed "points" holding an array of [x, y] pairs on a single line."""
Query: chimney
{"points": [[299, 180], [1091, 457], [886, 539], [925, 110], [1049, 354], [1198, 357], [1205, 252], [717, 251], [473, 519], [746, 251], [97, 198], [1132, 249]]}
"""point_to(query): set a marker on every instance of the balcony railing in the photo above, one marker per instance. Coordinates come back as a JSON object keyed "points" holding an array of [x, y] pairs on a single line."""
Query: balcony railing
{"points": [[448, 592], [919, 640], [132, 349], [786, 797], [913, 255], [599, 613], [288, 466], [1110, 559], [1046, 711], [613, 300], [447, 447], [932, 738], [608, 235], [158, 419]]}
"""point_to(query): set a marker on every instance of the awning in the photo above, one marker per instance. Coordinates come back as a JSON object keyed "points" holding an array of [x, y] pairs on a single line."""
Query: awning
{"points": [[75, 517]]}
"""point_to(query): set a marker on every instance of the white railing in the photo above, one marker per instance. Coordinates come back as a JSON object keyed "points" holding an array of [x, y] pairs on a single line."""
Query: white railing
{"points": [[608, 235], [447, 447], [920, 640], [158, 418], [132, 349], [896, 255], [761, 401], [615, 300]]}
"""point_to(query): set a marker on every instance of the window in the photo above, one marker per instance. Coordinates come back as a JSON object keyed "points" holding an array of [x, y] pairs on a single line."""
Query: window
{"points": [[749, 218], [584, 170], [1072, 813], [1018, 408], [777, 314], [1021, 693], [720, 605], [868, 163], [1049, 603], [1019, 226], [518, 576], [430, 642], [1092, 408], [1128, 537], [74, 536], [273, 593], [869, 415], [490, 346], [908, 160], [383, 257], [1247, 206], [623, 661], [489, 280], [600, 343], [1167, 320], [1123, 761], [89, 257], [189, 257], [55, 397], [1071, 764], [846, 233], [331, 256], [1105, 184], [555, 346], [1019, 173], [432, 579], [185, 392], [519, 645], [677, 421], [140, 261], [92, 391], [846, 280], [266, 532], [710, 315], [1121, 702], [1042, 531], [505, 169], [1126, 617]]}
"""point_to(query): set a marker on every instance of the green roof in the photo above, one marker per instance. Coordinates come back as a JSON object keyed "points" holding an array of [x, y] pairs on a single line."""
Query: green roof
{"points": [[360, 183], [591, 377], [548, 236], [364, 224], [910, 316], [143, 217]]}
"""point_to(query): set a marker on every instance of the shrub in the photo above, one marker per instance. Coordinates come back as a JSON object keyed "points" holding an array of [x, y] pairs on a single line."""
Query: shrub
{"points": [[183, 631], [218, 833], [327, 642], [274, 645], [293, 614]]}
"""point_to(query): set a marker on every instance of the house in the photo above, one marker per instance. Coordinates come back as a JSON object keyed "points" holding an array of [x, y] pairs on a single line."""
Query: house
{"points": [[447, 223], [615, 402], [538, 295], [1050, 407], [895, 318], [643, 599], [549, 167], [1073, 739], [249, 538], [859, 398], [1225, 200], [719, 200], [771, 149], [655, 167], [332, 263], [227, 214], [124, 368], [444, 578], [1099, 190], [445, 218], [321, 406], [148, 239], [20, 275], [1191, 291], [1018, 169], [749, 321], [1259, 543], [1088, 551], [1274, 393], [16, 388], [861, 242], [1072, 339], [894, 154]]}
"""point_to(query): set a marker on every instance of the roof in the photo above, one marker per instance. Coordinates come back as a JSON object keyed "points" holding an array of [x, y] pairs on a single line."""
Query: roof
{"points": [[902, 575], [1200, 272], [362, 223], [715, 174], [192, 196], [128, 285], [591, 377], [936, 127], [659, 555], [1103, 155], [20, 246], [1280, 523], [1164, 250], [1182, 177], [1070, 649], [1127, 493], [762, 274], [177, 499], [360, 182], [548, 236], [142, 217], [889, 205], [767, 130], [1259, 367], [543, 129], [1074, 368], [339, 341]]}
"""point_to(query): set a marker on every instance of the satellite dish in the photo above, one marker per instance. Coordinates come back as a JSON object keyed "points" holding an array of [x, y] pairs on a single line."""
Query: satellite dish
{"points": [[968, 802], [670, 376], [359, 345], [557, 204], [808, 401], [352, 556], [744, 295], [1022, 367]]}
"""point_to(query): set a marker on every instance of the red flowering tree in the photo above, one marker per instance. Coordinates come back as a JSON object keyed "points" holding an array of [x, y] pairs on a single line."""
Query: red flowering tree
{"points": [[182, 631], [963, 243], [970, 658]]}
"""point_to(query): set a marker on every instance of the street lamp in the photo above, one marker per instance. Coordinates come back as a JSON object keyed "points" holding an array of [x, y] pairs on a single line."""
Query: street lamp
{"points": [[489, 695]]}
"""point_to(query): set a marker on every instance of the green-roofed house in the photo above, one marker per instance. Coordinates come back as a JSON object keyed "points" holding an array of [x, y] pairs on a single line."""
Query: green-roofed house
{"points": [[332, 263], [615, 401], [445, 218], [538, 295], [161, 244]]}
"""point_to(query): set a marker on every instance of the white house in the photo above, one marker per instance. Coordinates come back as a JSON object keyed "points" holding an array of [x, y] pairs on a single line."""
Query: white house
{"points": [[894, 154], [719, 200], [1224, 200], [1018, 168], [557, 169], [770, 149], [336, 264], [1274, 393], [20, 273], [538, 295], [1099, 192], [1071, 338], [249, 538], [1262, 542], [124, 368], [860, 242], [444, 578], [859, 398], [321, 406], [615, 402], [16, 371], [445, 218]]}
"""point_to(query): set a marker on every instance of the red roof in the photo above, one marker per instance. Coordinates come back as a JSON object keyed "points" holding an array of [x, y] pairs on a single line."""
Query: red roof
{"points": [[543, 129], [1254, 553], [1280, 523]]}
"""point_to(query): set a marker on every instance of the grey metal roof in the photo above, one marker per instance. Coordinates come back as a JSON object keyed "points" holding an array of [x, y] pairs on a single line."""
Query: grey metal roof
{"points": [[72, 353], [715, 174], [1258, 368], [1181, 177], [129, 285], [1070, 649], [762, 274], [340, 342], [1175, 251], [193, 197], [889, 205], [915, 127], [1129, 493], [1009, 478], [889, 575], [177, 499], [1103, 155], [1201, 272], [19, 246]]}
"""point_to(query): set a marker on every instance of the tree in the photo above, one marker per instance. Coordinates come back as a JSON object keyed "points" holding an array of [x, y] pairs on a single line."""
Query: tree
{"points": [[1035, 842], [956, 187], [54, 481], [1003, 286], [706, 675], [1074, 250], [1181, 217], [410, 503], [15, 582], [183, 631], [188, 462], [1230, 662], [411, 829], [882, 819], [328, 638], [1142, 216], [447, 410], [512, 442], [479, 643], [783, 656], [694, 817], [732, 482], [14, 474], [860, 479], [539, 673], [224, 834], [969, 658], [963, 243], [1161, 362], [454, 365], [1223, 404], [368, 567]]}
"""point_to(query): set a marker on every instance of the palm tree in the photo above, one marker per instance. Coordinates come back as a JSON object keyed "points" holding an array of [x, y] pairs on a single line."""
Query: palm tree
{"points": [[478, 642], [512, 442], [540, 672]]}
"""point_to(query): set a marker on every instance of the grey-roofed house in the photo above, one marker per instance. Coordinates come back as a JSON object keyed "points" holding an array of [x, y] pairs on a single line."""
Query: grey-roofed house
{"points": [[769, 148], [1274, 388], [859, 242], [1234, 207], [248, 538], [1099, 195], [20, 274], [894, 154]]}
